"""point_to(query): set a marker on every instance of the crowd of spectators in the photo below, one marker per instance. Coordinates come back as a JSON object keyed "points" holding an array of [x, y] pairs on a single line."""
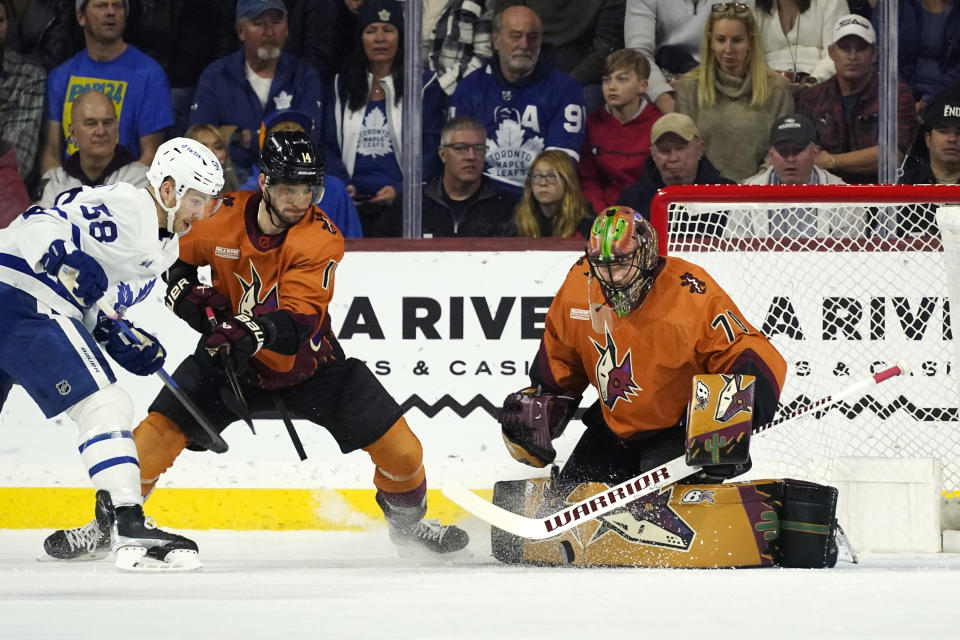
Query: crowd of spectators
{"points": [[537, 114]]}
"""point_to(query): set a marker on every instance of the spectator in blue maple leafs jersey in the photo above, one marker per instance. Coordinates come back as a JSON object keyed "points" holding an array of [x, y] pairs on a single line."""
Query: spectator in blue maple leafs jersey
{"points": [[364, 116], [524, 103]]}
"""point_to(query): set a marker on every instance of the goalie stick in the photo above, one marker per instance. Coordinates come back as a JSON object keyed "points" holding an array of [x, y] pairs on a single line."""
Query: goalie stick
{"points": [[647, 483]]}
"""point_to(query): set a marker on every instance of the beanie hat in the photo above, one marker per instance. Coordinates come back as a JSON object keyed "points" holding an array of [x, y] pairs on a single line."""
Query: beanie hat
{"points": [[388, 11]]}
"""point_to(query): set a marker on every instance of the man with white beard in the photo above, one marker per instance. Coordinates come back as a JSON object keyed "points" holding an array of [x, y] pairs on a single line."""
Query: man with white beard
{"points": [[236, 92]]}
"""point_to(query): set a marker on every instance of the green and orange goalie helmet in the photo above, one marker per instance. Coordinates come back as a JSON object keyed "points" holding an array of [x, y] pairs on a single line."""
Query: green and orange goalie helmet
{"points": [[622, 252]]}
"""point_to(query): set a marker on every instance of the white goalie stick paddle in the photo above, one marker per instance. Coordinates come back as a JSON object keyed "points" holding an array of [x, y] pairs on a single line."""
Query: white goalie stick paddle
{"points": [[644, 484]]}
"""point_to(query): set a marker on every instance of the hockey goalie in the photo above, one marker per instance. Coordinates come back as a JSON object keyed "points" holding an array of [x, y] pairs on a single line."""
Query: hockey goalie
{"points": [[679, 371]]}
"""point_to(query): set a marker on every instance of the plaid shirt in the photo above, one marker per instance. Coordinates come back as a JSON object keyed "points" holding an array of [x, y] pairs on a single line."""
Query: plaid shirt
{"points": [[460, 41], [23, 86], [823, 104]]}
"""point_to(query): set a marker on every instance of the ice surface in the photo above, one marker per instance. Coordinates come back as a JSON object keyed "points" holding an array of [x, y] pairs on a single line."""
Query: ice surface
{"points": [[354, 585]]}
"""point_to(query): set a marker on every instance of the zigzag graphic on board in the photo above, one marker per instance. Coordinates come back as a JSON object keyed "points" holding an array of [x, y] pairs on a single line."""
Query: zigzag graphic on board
{"points": [[851, 411], [446, 401]]}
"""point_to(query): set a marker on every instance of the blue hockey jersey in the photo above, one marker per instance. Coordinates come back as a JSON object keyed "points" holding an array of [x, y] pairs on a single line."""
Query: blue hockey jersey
{"points": [[543, 111]]}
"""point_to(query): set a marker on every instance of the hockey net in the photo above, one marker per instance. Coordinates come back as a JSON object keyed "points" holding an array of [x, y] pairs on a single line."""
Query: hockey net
{"points": [[845, 281]]}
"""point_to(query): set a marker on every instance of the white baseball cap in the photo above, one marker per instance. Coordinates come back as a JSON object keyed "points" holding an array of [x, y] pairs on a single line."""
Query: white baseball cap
{"points": [[854, 25]]}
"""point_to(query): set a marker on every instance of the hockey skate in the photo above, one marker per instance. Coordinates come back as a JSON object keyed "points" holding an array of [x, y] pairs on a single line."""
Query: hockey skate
{"points": [[139, 544], [88, 542], [408, 529], [429, 534]]}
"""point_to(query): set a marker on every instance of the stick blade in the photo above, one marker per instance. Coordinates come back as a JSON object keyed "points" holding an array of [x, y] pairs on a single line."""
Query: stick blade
{"points": [[488, 512]]}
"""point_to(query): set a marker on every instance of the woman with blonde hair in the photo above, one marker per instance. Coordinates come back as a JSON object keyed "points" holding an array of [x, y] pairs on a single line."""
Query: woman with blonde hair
{"points": [[210, 137], [733, 96], [553, 204]]}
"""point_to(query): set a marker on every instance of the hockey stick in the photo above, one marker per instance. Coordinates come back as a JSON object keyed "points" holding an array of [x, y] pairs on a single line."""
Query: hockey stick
{"points": [[288, 423], [644, 484], [217, 443], [237, 404]]}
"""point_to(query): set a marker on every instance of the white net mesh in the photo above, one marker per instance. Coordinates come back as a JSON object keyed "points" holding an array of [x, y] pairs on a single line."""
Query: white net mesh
{"points": [[842, 289]]}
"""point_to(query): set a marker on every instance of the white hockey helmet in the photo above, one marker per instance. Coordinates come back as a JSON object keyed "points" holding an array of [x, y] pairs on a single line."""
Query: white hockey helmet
{"points": [[191, 165]]}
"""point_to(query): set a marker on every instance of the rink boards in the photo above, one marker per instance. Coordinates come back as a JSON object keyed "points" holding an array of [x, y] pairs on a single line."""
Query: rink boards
{"points": [[448, 333]]}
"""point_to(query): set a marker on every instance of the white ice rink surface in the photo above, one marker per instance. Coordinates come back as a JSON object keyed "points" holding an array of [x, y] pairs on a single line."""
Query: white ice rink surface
{"points": [[354, 585]]}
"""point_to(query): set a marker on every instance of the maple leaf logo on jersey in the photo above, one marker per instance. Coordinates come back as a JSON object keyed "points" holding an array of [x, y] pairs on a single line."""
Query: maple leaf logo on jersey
{"points": [[696, 286], [509, 155], [251, 293], [375, 139], [648, 521], [614, 378], [734, 398]]}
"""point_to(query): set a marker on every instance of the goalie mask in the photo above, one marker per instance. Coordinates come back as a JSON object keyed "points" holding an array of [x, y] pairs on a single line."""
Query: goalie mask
{"points": [[622, 252]]}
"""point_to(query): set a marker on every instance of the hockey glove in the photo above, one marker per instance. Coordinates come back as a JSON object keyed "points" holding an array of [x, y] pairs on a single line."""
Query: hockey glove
{"points": [[83, 276], [141, 357], [241, 336], [189, 299], [530, 420]]}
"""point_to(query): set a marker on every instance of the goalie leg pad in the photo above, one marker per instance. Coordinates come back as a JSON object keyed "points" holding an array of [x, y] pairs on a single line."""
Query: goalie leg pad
{"points": [[719, 419], [706, 526], [808, 525]]}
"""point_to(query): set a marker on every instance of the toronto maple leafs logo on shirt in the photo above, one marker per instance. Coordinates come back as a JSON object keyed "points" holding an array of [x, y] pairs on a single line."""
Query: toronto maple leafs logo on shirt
{"points": [[283, 100], [509, 155], [374, 135]]}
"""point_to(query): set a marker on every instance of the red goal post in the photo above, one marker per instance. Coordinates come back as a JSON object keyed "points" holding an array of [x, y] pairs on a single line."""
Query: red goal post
{"points": [[845, 280]]}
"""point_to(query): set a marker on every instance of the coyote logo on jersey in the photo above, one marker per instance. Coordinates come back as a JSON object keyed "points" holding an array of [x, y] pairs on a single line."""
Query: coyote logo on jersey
{"points": [[251, 293], [734, 398], [614, 379], [649, 521], [696, 286]]}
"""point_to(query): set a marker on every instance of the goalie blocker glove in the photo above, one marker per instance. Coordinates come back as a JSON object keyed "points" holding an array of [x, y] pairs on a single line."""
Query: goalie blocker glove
{"points": [[83, 277], [530, 420], [188, 299], [141, 357]]}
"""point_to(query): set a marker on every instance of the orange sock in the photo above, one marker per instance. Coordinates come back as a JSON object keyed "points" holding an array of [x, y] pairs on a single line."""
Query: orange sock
{"points": [[398, 457], [159, 441]]}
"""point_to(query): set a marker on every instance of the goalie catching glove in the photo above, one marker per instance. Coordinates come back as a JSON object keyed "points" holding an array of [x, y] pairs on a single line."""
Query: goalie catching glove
{"points": [[530, 420], [189, 299], [142, 356]]}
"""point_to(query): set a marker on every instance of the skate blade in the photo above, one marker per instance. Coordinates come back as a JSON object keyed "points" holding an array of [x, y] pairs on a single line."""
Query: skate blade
{"points": [[134, 558]]}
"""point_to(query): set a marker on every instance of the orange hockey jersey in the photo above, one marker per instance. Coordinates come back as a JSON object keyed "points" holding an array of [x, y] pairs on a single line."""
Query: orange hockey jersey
{"points": [[642, 365], [292, 271]]}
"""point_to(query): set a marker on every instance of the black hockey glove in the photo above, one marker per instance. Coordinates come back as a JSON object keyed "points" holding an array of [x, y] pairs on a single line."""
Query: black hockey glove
{"points": [[189, 300], [241, 336], [142, 356], [530, 420], [82, 276]]}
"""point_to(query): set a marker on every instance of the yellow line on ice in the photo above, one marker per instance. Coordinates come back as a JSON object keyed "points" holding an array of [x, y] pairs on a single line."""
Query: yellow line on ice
{"points": [[238, 509]]}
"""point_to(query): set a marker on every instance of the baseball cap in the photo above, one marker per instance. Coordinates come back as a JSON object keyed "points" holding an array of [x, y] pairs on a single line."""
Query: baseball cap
{"points": [[853, 25], [796, 129], [250, 9], [678, 123], [287, 115], [945, 108]]}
